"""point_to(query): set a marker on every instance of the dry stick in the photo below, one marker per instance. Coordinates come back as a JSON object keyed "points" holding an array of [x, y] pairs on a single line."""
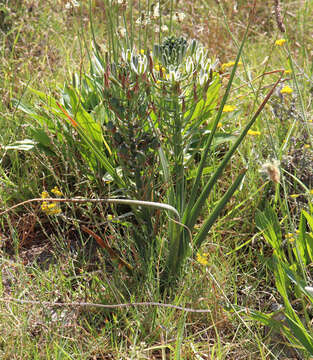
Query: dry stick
{"points": [[278, 16], [105, 306], [110, 201]]}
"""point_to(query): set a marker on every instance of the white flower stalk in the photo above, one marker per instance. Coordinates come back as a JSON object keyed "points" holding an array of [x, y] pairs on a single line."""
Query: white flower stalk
{"points": [[139, 64], [189, 65], [203, 77], [201, 55]]}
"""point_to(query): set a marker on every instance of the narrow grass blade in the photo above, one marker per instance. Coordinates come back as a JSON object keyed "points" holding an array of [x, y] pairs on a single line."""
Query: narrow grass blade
{"points": [[200, 237]]}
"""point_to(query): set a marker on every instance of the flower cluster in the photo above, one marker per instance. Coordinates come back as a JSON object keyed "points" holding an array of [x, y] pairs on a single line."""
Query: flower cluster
{"points": [[229, 64], [280, 42], [51, 208], [202, 258], [286, 90]]}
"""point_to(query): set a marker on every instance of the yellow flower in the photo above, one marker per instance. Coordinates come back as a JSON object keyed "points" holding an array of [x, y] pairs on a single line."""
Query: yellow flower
{"points": [[286, 90], [219, 125], [56, 191], [157, 67], [288, 71], [254, 133], [44, 195], [307, 146], [229, 64], [280, 42], [311, 191], [229, 108], [142, 51], [202, 259], [294, 196]]}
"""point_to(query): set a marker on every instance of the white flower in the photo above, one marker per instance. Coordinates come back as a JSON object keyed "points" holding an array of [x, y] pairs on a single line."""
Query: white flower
{"points": [[139, 64], [179, 16], [164, 28], [143, 20], [71, 4], [156, 12]]}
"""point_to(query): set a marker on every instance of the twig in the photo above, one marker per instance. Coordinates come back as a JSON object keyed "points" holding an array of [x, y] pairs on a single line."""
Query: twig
{"points": [[109, 201], [104, 306]]}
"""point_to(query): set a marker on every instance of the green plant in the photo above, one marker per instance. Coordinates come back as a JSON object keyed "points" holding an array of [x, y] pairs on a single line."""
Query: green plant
{"points": [[142, 121], [290, 263]]}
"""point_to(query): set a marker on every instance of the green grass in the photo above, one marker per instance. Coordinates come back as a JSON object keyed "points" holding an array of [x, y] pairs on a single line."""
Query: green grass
{"points": [[51, 259]]}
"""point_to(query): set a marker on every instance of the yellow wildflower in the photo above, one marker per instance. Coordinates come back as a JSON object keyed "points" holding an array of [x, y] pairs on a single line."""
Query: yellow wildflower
{"points": [[286, 90], [202, 259], [288, 71], [219, 125], [229, 108], [280, 42], [311, 191], [44, 195], [307, 146], [254, 133], [294, 196], [229, 64], [142, 52], [157, 67], [56, 191]]}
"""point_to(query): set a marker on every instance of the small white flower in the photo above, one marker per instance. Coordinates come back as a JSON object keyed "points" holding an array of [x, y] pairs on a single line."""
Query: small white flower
{"points": [[143, 20], [179, 16], [156, 12], [71, 4], [164, 28]]}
